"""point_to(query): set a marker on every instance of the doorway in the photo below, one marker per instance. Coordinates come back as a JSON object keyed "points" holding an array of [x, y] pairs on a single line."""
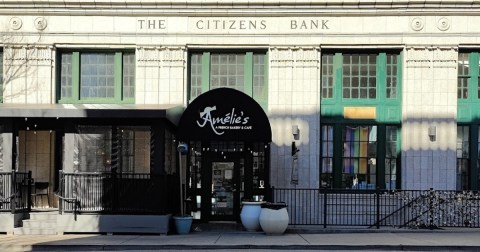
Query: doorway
{"points": [[225, 190], [36, 153]]}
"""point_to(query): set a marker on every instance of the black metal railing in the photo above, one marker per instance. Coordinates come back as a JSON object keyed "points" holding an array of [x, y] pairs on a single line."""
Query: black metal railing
{"points": [[375, 208], [15, 191], [118, 193]]}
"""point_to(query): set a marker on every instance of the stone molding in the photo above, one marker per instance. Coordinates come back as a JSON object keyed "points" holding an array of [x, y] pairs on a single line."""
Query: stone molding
{"points": [[161, 56], [431, 57], [295, 57], [29, 53]]}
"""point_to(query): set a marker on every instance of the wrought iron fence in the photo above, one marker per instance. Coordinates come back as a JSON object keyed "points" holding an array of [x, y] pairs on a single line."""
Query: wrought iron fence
{"points": [[375, 208], [15, 191], [118, 193]]}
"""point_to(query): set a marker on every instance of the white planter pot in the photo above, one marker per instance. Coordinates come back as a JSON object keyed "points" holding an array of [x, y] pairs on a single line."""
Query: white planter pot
{"points": [[250, 215], [274, 220]]}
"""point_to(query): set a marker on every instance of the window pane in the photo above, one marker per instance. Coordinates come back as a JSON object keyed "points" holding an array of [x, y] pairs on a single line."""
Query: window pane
{"points": [[327, 76], [327, 156], [66, 86], [96, 80], [359, 70], [392, 77], [93, 144], [463, 64], [259, 77], [128, 75], [134, 149], [391, 158], [227, 71], [359, 157], [463, 157]]}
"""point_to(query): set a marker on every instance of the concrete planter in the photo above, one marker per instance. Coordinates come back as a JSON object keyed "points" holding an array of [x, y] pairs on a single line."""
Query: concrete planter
{"points": [[250, 214], [183, 224], [102, 223], [274, 218]]}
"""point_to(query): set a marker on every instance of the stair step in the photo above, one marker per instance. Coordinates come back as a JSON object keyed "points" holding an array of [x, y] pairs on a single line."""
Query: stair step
{"points": [[43, 216], [39, 223], [34, 231]]}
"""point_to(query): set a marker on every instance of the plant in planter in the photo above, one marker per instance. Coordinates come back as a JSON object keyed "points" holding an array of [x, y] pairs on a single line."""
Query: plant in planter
{"points": [[183, 222]]}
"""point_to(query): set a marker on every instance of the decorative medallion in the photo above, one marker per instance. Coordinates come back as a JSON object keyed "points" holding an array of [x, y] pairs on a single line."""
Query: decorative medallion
{"points": [[40, 23], [443, 24], [417, 24], [15, 23]]}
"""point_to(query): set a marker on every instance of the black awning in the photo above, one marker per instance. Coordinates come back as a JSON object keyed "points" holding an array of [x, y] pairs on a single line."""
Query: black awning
{"points": [[171, 112], [224, 114]]}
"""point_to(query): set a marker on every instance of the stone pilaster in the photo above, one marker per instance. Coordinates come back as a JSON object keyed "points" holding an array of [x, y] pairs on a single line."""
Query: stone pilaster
{"points": [[28, 74], [429, 101], [294, 100], [160, 75]]}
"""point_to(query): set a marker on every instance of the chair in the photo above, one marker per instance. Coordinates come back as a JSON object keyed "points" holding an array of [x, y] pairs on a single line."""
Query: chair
{"points": [[40, 189]]}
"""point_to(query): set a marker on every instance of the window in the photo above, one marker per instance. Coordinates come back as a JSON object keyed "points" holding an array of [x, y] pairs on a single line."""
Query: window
{"points": [[134, 146], [463, 157], [243, 71], [327, 156], [468, 117], [360, 76], [463, 75], [391, 157], [360, 119], [104, 148], [97, 77], [350, 156], [359, 157]]}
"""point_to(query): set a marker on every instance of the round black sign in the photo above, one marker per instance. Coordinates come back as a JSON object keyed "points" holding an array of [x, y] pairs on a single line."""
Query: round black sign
{"points": [[224, 114]]}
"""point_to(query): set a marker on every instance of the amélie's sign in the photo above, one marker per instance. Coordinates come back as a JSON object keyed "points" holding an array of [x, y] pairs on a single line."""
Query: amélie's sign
{"points": [[224, 114]]}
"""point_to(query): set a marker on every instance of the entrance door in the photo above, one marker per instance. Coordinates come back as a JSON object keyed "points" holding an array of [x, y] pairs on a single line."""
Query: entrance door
{"points": [[224, 193]]}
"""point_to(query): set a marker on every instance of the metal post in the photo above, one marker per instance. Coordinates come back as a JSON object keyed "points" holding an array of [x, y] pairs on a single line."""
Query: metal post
{"points": [[324, 207], [378, 206], [13, 192], [29, 191], [180, 180]]}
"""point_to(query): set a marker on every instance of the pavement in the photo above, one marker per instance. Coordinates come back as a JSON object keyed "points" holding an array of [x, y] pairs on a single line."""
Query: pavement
{"points": [[307, 239]]}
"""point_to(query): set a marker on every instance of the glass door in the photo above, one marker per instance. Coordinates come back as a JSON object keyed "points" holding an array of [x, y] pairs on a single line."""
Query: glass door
{"points": [[224, 195]]}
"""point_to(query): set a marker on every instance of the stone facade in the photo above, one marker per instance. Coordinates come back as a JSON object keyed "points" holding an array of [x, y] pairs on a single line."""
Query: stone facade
{"points": [[294, 32]]}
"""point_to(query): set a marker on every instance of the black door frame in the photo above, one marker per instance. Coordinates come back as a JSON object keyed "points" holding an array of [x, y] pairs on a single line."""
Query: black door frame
{"points": [[206, 205]]}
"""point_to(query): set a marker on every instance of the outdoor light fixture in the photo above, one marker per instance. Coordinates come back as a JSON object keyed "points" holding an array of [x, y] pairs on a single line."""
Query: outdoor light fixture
{"points": [[432, 133], [295, 132]]}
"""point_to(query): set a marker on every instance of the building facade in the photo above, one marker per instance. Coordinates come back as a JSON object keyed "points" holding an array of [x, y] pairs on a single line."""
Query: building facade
{"points": [[358, 94]]}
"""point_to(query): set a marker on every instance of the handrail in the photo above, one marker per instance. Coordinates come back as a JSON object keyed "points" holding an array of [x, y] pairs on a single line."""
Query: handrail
{"points": [[76, 204], [409, 204], [8, 199]]}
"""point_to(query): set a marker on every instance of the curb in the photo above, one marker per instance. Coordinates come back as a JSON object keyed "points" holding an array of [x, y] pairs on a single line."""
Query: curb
{"points": [[244, 247]]}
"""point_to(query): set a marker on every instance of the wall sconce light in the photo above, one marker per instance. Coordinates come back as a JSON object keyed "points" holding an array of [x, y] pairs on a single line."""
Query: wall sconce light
{"points": [[432, 133], [295, 132]]}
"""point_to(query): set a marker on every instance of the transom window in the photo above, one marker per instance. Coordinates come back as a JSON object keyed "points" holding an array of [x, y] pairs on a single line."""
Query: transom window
{"points": [[243, 71], [468, 76], [359, 76], [367, 76], [103, 77]]}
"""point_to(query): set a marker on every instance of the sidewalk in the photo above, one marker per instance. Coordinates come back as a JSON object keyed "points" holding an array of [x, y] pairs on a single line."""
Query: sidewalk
{"points": [[386, 239]]}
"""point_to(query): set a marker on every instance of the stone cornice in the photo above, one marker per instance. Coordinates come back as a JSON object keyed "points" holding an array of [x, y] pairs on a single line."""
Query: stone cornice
{"points": [[237, 7]]}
